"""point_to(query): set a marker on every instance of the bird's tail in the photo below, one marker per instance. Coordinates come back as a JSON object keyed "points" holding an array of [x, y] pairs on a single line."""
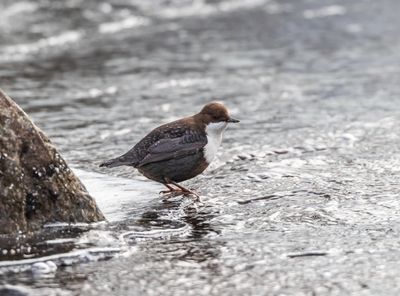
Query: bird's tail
{"points": [[115, 162]]}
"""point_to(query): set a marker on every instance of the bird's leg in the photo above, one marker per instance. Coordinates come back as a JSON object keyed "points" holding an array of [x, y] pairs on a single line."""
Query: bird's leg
{"points": [[171, 189], [186, 191], [172, 192]]}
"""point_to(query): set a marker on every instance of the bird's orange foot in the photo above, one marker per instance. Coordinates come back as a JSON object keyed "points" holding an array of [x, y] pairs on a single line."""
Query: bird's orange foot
{"points": [[180, 190], [166, 191], [174, 193], [171, 193], [170, 190]]}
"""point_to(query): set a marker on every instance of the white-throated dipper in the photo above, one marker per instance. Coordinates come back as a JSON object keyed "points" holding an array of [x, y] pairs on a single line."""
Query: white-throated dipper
{"points": [[179, 150]]}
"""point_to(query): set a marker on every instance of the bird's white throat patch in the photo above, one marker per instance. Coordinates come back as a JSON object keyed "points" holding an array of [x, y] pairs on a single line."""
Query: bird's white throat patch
{"points": [[214, 132]]}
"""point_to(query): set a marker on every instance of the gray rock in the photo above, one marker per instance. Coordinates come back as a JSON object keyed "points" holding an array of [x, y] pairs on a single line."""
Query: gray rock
{"points": [[9, 290], [36, 185]]}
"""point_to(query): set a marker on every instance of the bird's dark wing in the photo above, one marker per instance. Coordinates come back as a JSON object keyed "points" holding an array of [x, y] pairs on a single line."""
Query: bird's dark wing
{"points": [[170, 140], [167, 148]]}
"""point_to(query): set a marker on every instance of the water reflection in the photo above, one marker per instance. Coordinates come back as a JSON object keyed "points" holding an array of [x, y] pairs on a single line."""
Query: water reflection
{"points": [[52, 241]]}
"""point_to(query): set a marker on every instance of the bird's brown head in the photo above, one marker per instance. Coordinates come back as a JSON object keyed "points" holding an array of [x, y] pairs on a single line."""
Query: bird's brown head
{"points": [[215, 112]]}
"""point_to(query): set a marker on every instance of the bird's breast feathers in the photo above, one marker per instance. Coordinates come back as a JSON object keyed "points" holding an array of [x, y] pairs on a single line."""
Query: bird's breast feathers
{"points": [[214, 137]]}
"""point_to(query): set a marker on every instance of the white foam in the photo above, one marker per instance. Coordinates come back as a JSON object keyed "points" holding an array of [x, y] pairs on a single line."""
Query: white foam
{"points": [[201, 8], [126, 23], [21, 51], [90, 254], [156, 233], [183, 83], [325, 11], [18, 8], [46, 267]]}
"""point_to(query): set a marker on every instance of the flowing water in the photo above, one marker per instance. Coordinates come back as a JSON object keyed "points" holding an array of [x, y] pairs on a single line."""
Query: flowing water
{"points": [[303, 198]]}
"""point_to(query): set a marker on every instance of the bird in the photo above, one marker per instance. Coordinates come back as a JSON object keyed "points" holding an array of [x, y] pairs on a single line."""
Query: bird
{"points": [[179, 150]]}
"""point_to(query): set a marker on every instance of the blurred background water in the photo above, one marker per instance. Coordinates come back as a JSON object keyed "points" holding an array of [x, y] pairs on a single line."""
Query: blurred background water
{"points": [[303, 197]]}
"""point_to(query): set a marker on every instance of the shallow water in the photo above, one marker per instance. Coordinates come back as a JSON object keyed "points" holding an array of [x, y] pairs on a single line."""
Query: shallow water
{"points": [[303, 196]]}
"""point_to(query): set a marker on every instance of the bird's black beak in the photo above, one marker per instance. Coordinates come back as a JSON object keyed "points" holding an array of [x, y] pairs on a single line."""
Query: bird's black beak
{"points": [[233, 120]]}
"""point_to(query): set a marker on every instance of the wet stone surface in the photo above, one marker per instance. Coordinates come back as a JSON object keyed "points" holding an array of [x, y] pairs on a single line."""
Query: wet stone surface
{"points": [[36, 185], [303, 196]]}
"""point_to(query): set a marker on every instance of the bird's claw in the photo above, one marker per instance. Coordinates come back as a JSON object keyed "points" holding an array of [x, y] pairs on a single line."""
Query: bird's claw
{"points": [[171, 193]]}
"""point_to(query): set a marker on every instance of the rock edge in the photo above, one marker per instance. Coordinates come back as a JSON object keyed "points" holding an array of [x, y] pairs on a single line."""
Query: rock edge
{"points": [[36, 184]]}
